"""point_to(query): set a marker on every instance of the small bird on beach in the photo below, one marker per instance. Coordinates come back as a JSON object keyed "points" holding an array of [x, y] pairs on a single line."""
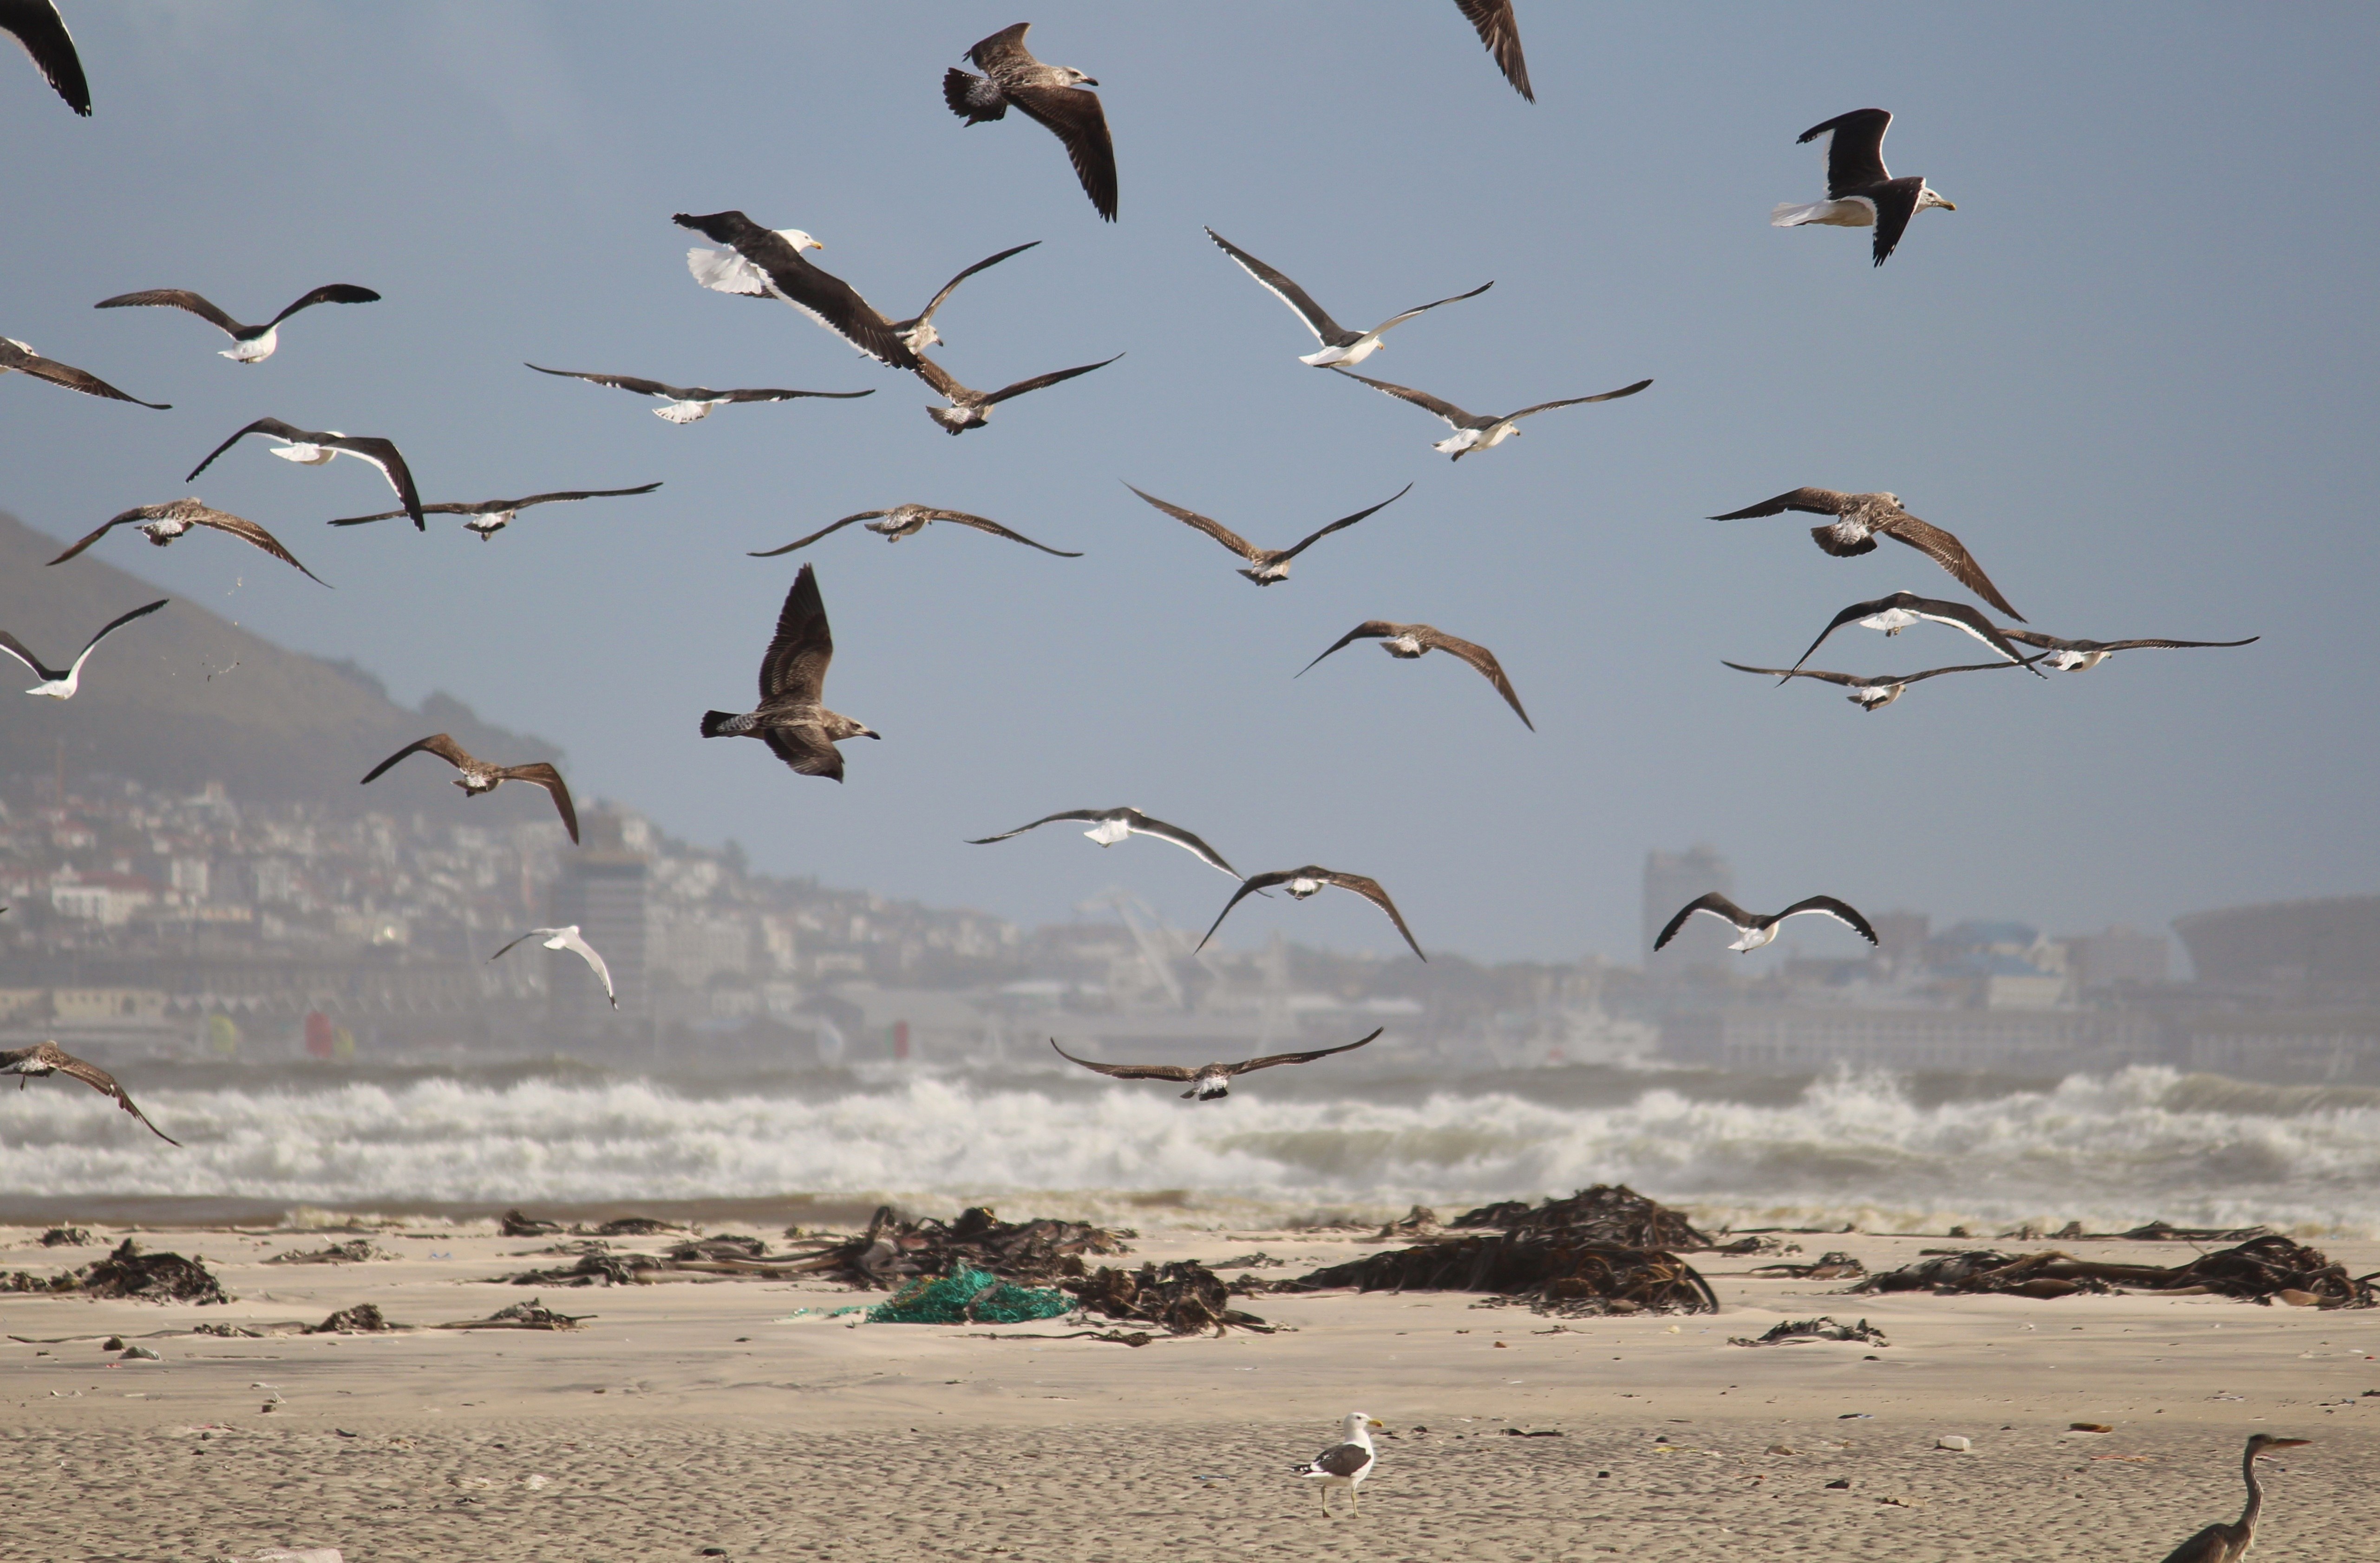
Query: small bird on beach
{"points": [[908, 520], [567, 939], [162, 523], [1755, 930], [37, 25], [775, 255], [971, 409], [692, 404], [1345, 1463], [730, 273], [2081, 656], [1860, 193], [1409, 641], [1474, 431], [1313, 880], [2228, 1543], [1873, 692], [20, 358], [1859, 518], [481, 776], [487, 517], [1339, 345], [1207, 1083], [1268, 564], [1896, 612], [48, 1058], [61, 685], [249, 343], [789, 718], [313, 447], [1109, 826], [1050, 95], [1492, 19]]}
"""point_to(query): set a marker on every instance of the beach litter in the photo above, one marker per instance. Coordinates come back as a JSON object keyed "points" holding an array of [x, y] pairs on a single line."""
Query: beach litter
{"points": [[969, 1296], [1182, 1298], [1824, 1328], [1957, 1443], [893, 1252], [129, 1273], [2259, 1270]]}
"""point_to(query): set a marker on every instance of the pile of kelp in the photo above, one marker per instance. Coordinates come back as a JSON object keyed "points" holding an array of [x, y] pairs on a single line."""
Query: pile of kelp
{"points": [[515, 1225], [129, 1272], [893, 1252], [2263, 1269], [1607, 1216], [1181, 1298]]}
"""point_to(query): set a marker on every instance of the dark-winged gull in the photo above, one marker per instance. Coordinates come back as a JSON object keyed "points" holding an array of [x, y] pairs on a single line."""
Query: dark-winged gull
{"points": [[567, 939], [310, 447], [2081, 656], [1051, 96], [481, 776], [1266, 564], [690, 403], [1892, 615], [249, 343], [61, 683], [1313, 880], [163, 523], [1859, 518], [1339, 345], [1345, 1464], [1753, 930], [20, 357], [1207, 1083], [730, 273], [1471, 431], [37, 25], [1408, 641], [907, 521], [822, 296], [1860, 192], [48, 1058], [487, 517], [970, 408], [1873, 692], [1492, 19], [789, 718], [1109, 826]]}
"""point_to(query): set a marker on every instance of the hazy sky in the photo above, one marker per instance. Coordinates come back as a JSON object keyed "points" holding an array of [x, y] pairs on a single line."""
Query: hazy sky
{"points": [[2135, 372]]}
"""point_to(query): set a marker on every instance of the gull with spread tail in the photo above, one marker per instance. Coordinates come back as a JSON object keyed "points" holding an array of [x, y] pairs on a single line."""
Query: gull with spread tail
{"points": [[1310, 881], [691, 404], [1051, 96], [1873, 692], [1339, 345], [1860, 193], [1475, 431], [1860, 518], [1892, 615], [971, 409], [567, 939], [1109, 826], [481, 776], [775, 255], [162, 523], [1207, 1083], [48, 1058], [487, 517], [907, 521], [1266, 564], [1752, 930], [249, 343], [791, 718], [310, 447], [20, 358], [37, 25], [2081, 656], [60, 683], [1409, 641]]}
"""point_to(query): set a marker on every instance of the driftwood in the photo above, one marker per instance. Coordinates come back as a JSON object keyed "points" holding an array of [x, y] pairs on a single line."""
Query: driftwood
{"points": [[893, 1252], [1554, 1274], [1824, 1329], [2256, 1271], [1607, 1216], [129, 1272], [1183, 1298]]}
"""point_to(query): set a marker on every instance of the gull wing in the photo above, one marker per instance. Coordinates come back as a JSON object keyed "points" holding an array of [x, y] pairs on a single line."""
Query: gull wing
{"points": [[1370, 891], [1951, 554], [248, 531], [1841, 910], [631, 383], [329, 292], [1317, 320], [1080, 814], [543, 775], [1956, 614], [104, 631], [1961, 668], [105, 1083], [43, 32], [1272, 1059], [1576, 401], [26, 360], [1004, 50], [1370, 629], [1855, 153], [1221, 533], [821, 294], [175, 298], [586, 952], [533, 933], [795, 666], [996, 529], [830, 527], [1075, 115], [950, 286], [778, 395], [1130, 1071], [2131, 644], [1816, 502], [137, 512], [1342, 1460], [1492, 19], [1485, 662], [558, 496], [1039, 381], [1303, 543], [1143, 825], [807, 749], [1253, 885], [1895, 201], [383, 454], [1454, 415], [1401, 318], [24, 653], [1715, 904], [272, 426], [1847, 680], [437, 744]]}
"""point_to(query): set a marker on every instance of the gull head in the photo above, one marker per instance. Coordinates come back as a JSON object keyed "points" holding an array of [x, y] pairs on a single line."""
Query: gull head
{"points": [[798, 239], [1076, 77], [1927, 196]]}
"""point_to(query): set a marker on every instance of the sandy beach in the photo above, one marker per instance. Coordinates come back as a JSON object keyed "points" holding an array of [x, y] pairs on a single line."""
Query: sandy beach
{"points": [[744, 1416]]}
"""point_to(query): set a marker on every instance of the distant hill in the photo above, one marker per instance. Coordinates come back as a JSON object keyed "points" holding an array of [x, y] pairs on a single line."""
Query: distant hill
{"points": [[284, 728]]}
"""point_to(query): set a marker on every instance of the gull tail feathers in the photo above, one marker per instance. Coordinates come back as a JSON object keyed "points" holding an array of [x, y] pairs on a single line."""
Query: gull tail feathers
{"points": [[1791, 214], [715, 723]]}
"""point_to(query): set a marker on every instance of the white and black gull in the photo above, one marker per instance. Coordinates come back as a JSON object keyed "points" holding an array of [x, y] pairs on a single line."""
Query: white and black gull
{"points": [[907, 521], [60, 683], [1051, 96], [1109, 826], [478, 776], [249, 343], [1339, 345], [162, 523], [1860, 193], [567, 937], [487, 517], [1207, 1083], [1474, 431], [47, 1058], [1860, 519], [1896, 612], [1266, 564], [20, 358], [310, 447], [1345, 1464], [971, 409], [791, 718], [1409, 641], [2081, 656], [1311, 880], [775, 255], [691, 404], [1753, 929], [1873, 693], [37, 25], [726, 272]]}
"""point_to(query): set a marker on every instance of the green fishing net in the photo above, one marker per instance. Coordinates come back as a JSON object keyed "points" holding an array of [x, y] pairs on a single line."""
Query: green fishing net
{"points": [[968, 1295]]}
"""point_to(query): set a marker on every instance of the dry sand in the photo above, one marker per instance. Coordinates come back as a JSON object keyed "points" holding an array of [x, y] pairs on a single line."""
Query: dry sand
{"points": [[692, 1415]]}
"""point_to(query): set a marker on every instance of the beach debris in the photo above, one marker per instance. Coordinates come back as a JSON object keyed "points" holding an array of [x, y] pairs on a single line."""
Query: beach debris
{"points": [[1757, 1242], [241, 1332], [1957, 1443], [65, 1237], [1838, 1484], [1420, 1222], [969, 1296], [531, 1315], [515, 1225], [2159, 1231], [1822, 1329], [1554, 1271], [611, 1269], [893, 1252], [1534, 1433], [139, 1355], [1184, 1297], [355, 1253], [364, 1318], [298, 1554], [629, 1226], [725, 1245], [2088, 1427], [129, 1273], [1609, 1214], [2257, 1270], [1834, 1264], [1259, 1260]]}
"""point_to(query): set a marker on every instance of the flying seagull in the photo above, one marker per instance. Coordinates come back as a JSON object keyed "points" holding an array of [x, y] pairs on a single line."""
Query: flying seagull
{"points": [[1493, 21], [1208, 1081], [1109, 826], [730, 273], [1753, 930], [567, 939], [1873, 693], [1472, 432], [1859, 518], [37, 25], [481, 776], [790, 719], [249, 343], [1271, 564], [691, 404], [61, 685], [1860, 192], [312, 448], [1311, 880], [16, 355], [1048, 94], [908, 520], [1346, 1462], [971, 409], [2081, 656], [776, 254], [2219, 1542], [48, 1058], [1409, 641], [163, 523], [1892, 615], [1339, 345], [490, 517]]}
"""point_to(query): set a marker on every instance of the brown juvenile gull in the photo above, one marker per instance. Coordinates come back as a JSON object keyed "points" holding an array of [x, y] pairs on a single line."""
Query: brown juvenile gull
{"points": [[1492, 19], [249, 343], [1860, 518], [163, 523], [823, 296], [1892, 615], [1207, 1083], [37, 25], [61, 685], [567, 939], [487, 517], [730, 273], [1860, 193], [1409, 641], [1473, 431], [908, 520], [970, 409], [1109, 826], [48, 1058], [790, 719], [20, 357], [1754, 931], [1875, 693], [2228, 1543], [690, 403], [1345, 1463], [313, 447], [1270, 564], [1311, 880], [1339, 345], [1050, 95], [480, 776], [2081, 656]]}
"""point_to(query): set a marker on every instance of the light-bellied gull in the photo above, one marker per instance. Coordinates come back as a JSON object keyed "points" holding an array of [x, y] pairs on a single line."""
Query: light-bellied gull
{"points": [[1873, 692], [1492, 19], [1313, 880], [487, 517], [1339, 345], [249, 343], [310, 447], [1109, 826], [1408, 641], [1753, 930], [1207, 1083], [1052, 96], [908, 520], [2081, 656], [1896, 612], [481, 776], [163, 523], [48, 1058], [1268, 564], [789, 718], [823, 296], [566, 938], [60, 683], [730, 273], [1859, 518], [1860, 193], [691, 404], [1473, 431], [20, 358], [970, 408], [1345, 1464], [37, 25]]}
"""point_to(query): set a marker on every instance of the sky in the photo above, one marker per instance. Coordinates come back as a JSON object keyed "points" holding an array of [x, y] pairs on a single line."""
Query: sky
{"points": [[2135, 372]]}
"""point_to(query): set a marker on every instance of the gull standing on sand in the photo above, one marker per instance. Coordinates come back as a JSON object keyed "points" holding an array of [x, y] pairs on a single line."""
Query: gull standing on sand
{"points": [[1753, 929], [1051, 96], [791, 718], [1109, 826], [1859, 518], [48, 1058], [971, 409], [61, 685], [249, 343], [775, 255], [1473, 431], [1213, 1082], [1313, 880], [1409, 641], [1339, 345], [567, 939], [313, 447], [908, 520], [487, 517], [162, 523], [1892, 615], [1492, 19], [1345, 1463], [2081, 656], [37, 25], [1875, 693], [20, 357], [691, 404], [2228, 1543], [481, 776], [1860, 192], [1270, 565]]}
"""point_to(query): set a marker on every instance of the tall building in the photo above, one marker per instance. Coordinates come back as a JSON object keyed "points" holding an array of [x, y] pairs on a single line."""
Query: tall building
{"points": [[1672, 878], [602, 889]]}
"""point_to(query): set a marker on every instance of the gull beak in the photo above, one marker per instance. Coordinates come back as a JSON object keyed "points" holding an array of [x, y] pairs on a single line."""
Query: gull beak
{"points": [[1376, 1421], [2285, 1444], [1949, 206], [1088, 81], [873, 733]]}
